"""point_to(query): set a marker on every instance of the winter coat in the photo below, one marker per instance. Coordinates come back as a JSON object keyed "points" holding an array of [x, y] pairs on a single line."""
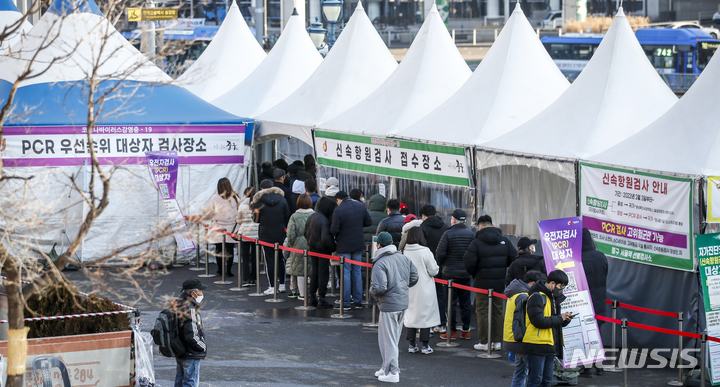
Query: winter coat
{"points": [[393, 224], [317, 229], [451, 250], [267, 174], [422, 311], [296, 240], [516, 291], [224, 212], [393, 274], [347, 224], [543, 335], [314, 197], [376, 207], [523, 264], [596, 270], [287, 194], [303, 175], [246, 226], [274, 214], [191, 327], [433, 228], [488, 258], [405, 229], [329, 203]]}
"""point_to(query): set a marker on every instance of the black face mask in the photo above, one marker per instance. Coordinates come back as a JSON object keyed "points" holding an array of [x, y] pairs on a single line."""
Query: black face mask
{"points": [[557, 292]]}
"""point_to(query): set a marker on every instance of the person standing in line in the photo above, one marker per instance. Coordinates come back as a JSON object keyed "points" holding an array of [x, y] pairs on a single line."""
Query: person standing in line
{"points": [[433, 229], [267, 171], [595, 265], [376, 208], [487, 260], [272, 213], [297, 240], [302, 173], [394, 223], [421, 313], [393, 274], [333, 187], [249, 229], [191, 333], [310, 165], [347, 224], [311, 190], [450, 252], [321, 241], [410, 222], [525, 261], [280, 183], [223, 208], [357, 194]]}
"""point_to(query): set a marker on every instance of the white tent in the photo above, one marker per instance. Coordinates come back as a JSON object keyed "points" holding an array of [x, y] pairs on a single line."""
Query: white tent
{"points": [[357, 65], [431, 71], [288, 65], [231, 56], [9, 18], [617, 94], [516, 80]]}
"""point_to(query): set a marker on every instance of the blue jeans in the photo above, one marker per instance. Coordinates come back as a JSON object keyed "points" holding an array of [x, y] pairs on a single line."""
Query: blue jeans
{"points": [[540, 369], [352, 278], [521, 370], [188, 373]]}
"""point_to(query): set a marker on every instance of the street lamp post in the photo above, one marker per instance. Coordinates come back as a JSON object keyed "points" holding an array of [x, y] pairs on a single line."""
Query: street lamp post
{"points": [[332, 12], [317, 34]]}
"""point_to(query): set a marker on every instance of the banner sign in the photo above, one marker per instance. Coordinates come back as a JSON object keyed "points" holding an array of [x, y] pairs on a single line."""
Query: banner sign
{"points": [[164, 170], [637, 216], [390, 157], [151, 14], [708, 253], [562, 248], [68, 146], [713, 202]]}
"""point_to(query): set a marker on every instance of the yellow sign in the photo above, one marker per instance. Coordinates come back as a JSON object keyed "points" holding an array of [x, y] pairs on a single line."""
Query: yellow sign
{"points": [[152, 14]]}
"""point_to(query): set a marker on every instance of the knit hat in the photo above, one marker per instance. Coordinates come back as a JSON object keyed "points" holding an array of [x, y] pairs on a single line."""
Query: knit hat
{"points": [[384, 239]]}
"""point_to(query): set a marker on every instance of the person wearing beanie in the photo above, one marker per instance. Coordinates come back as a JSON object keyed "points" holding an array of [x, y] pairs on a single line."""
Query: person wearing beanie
{"points": [[393, 274], [410, 222], [525, 261]]}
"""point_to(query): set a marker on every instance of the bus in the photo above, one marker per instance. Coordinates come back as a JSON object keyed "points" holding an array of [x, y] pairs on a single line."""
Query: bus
{"points": [[679, 55]]}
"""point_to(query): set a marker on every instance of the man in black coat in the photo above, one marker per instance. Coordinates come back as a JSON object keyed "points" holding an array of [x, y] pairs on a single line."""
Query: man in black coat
{"points": [[525, 261], [433, 228], [487, 260], [279, 182], [320, 240], [449, 254], [595, 265], [347, 224], [394, 223], [191, 333], [272, 213]]}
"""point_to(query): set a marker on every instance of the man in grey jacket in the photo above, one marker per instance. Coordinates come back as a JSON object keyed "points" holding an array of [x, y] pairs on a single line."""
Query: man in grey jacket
{"points": [[393, 274]]}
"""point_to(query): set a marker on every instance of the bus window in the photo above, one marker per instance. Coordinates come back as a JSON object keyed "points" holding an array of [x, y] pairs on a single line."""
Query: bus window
{"points": [[661, 57], [572, 51], [705, 52]]}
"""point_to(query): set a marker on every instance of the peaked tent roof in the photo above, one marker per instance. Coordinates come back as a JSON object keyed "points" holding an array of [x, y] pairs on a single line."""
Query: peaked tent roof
{"points": [[617, 94], [516, 80], [431, 71], [9, 16], [288, 65], [229, 58], [358, 63]]}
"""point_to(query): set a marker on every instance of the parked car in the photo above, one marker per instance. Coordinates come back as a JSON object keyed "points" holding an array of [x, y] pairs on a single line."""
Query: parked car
{"points": [[552, 20], [712, 31]]}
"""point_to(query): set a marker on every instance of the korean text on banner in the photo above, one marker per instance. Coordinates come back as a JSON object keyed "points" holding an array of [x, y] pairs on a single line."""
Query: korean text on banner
{"points": [[713, 202], [637, 216], [562, 247], [384, 156], [164, 170], [708, 253]]}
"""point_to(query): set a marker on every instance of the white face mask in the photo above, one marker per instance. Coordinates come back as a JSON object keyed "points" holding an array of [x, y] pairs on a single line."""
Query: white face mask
{"points": [[199, 299]]}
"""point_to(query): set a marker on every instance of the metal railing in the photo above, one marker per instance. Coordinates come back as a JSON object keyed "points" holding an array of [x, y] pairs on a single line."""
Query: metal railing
{"points": [[679, 83]]}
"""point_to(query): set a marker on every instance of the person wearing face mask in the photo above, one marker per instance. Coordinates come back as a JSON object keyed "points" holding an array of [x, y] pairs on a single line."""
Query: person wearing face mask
{"points": [[543, 339], [191, 333], [525, 261]]}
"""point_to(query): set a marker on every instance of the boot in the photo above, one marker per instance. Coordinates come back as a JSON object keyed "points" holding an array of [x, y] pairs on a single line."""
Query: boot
{"points": [[312, 301], [322, 304]]}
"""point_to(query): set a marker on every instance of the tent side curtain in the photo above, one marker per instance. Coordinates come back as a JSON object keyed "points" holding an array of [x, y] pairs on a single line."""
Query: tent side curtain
{"points": [[415, 194], [518, 191]]}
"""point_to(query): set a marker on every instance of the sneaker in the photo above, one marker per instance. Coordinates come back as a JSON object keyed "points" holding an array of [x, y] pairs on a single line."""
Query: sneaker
{"points": [[293, 295], [247, 284], [392, 378], [480, 347], [344, 307], [322, 304], [281, 288], [427, 350], [465, 334], [379, 373], [497, 346], [413, 349], [301, 298], [357, 305], [440, 329], [337, 302], [453, 335], [269, 291]]}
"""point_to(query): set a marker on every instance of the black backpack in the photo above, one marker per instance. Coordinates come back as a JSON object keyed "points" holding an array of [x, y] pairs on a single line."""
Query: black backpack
{"points": [[519, 323], [166, 333]]}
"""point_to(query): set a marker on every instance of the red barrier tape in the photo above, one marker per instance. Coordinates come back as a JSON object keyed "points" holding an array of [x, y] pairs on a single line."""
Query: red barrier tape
{"points": [[323, 256], [364, 264], [644, 310], [468, 288], [441, 281], [657, 329]]}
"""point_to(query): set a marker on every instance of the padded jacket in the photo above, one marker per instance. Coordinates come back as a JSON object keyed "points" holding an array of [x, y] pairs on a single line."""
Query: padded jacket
{"points": [[191, 327], [451, 250], [376, 207], [274, 214], [392, 224], [522, 264], [596, 269], [433, 229], [393, 274], [488, 258], [544, 322], [347, 224], [317, 229]]}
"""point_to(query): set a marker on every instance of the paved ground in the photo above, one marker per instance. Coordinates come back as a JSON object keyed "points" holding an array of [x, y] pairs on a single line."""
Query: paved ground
{"points": [[256, 343]]}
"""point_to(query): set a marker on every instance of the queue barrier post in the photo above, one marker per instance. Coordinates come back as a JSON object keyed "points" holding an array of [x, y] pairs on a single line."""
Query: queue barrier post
{"points": [[207, 258], [448, 331], [612, 367], [679, 381], [489, 354], [197, 251], [342, 292], [223, 262], [703, 352], [367, 278], [239, 287], [332, 283], [305, 305], [373, 323], [257, 271], [625, 349], [275, 276]]}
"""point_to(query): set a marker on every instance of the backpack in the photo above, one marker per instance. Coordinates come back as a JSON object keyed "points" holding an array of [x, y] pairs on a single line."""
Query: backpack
{"points": [[166, 333], [519, 323]]}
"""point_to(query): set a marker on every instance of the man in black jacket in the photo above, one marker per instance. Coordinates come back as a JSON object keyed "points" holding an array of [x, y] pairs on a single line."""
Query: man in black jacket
{"points": [[320, 240], [596, 269], [449, 254], [279, 183], [394, 223], [191, 333], [433, 228], [347, 224], [487, 260], [272, 212], [525, 261]]}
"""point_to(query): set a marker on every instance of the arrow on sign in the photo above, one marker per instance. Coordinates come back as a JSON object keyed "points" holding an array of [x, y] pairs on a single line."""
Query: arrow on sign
{"points": [[563, 265]]}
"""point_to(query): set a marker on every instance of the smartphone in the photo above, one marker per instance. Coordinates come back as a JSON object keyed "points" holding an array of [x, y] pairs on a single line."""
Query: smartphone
{"points": [[574, 315]]}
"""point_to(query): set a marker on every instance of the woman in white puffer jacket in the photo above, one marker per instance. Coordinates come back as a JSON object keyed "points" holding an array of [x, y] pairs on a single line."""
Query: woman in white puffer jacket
{"points": [[249, 229], [223, 208]]}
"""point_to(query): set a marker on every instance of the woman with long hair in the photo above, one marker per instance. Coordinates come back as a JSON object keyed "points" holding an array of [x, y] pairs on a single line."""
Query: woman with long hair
{"points": [[223, 208], [249, 229]]}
